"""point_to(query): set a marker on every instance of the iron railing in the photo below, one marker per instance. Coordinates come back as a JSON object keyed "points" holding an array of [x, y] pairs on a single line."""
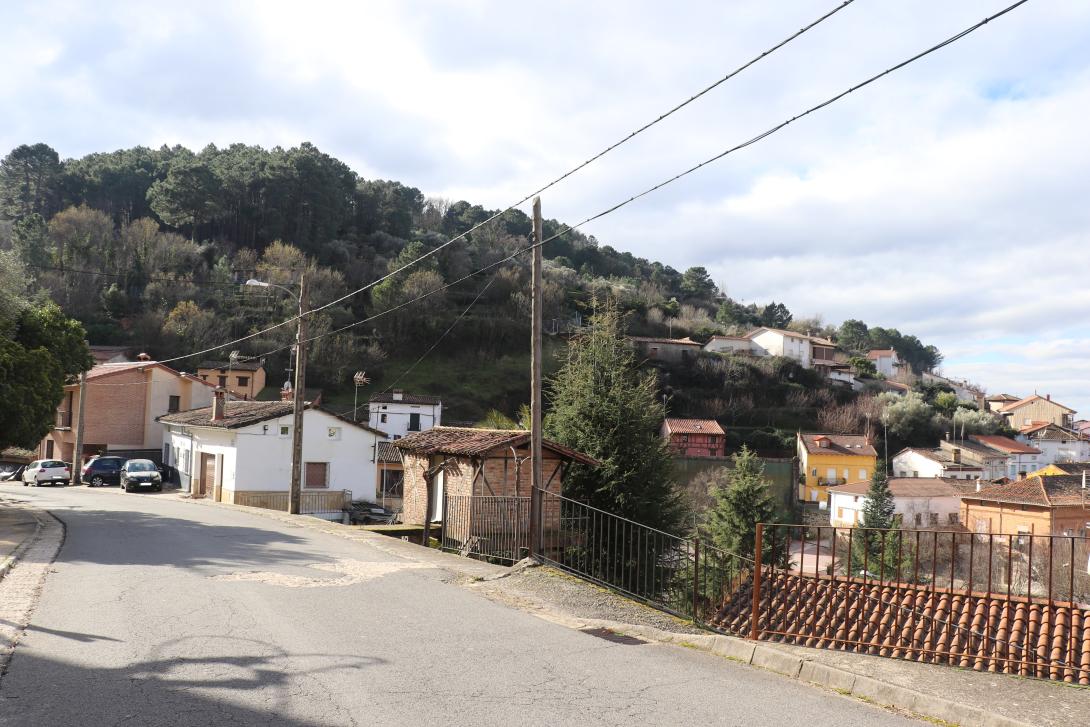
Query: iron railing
{"points": [[63, 419], [492, 528]]}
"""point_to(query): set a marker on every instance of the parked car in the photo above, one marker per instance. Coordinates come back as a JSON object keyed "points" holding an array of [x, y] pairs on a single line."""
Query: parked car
{"points": [[14, 475], [101, 471], [141, 473], [46, 471]]}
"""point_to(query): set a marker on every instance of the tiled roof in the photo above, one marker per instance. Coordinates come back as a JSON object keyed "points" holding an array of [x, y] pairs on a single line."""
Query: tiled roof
{"points": [[471, 442], [1022, 402], [979, 449], [942, 456], [237, 414], [1002, 397], [728, 338], [387, 453], [849, 444], [1004, 444], [1073, 468], [694, 426], [907, 487], [101, 371], [236, 366], [388, 398], [678, 341], [1052, 432], [880, 353], [793, 334], [1040, 490]]}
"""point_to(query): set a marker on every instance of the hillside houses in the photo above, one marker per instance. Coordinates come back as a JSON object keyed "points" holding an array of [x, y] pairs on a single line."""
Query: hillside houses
{"points": [[921, 502], [1033, 409], [935, 462], [828, 460], [1055, 443], [1038, 505]]}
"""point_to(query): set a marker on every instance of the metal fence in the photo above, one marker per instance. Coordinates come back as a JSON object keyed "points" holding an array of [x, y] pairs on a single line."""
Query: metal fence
{"points": [[326, 504], [682, 576], [492, 528]]}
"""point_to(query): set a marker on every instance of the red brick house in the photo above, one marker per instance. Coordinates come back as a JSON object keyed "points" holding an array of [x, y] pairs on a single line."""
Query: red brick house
{"points": [[481, 462], [695, 437], [123, 402]]}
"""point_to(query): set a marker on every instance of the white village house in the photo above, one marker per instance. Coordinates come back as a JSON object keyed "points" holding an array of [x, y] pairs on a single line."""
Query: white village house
{"points": [[922, 502], [240, 452], [1056, 443], [937, 462], [399, 414]]}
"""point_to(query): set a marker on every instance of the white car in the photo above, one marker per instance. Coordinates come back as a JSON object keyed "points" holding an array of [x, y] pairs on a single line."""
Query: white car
{"points": [[46, 472]]}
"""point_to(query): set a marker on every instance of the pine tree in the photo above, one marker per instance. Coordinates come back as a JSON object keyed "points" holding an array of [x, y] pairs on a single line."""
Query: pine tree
{"points": [[604, 406], [875, 548], [740, 503]]}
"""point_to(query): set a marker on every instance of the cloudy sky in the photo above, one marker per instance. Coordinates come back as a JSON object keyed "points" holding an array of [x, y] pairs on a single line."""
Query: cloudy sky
{"points": [[951, 200]]}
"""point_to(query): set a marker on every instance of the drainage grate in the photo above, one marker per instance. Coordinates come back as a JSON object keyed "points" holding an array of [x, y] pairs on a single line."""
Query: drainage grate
{"points": [[613, 636]]}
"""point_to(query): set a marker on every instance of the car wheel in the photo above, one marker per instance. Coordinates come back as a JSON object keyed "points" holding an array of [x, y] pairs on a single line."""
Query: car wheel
{"points": [[97, 481]]}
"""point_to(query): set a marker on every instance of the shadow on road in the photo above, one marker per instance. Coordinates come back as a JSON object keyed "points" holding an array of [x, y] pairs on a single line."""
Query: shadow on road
{"points": [[74, 635], [179, 690]]}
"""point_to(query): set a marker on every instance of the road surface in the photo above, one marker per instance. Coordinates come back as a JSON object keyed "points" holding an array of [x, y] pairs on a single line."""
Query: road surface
{"points": [[163, 612]]}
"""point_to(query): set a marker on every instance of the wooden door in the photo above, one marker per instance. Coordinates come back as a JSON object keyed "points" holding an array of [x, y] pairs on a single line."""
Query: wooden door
{"points": [[208, 474]]}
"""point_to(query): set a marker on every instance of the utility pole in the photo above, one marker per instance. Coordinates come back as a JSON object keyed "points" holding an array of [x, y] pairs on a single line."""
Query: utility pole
{"points": [[77, 452], [535, 388], [294, 494]]}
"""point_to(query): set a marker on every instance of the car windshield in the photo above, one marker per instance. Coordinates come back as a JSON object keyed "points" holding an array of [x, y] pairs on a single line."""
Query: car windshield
{"points": [[52, 463], [140, 465]]}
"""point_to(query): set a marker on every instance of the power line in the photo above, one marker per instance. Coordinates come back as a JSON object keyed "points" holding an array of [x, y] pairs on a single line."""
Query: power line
{"points": [[763, 135], [529, 196]]}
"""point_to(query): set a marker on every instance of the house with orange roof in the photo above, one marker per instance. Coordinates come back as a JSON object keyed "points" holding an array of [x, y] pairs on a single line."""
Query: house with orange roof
{"points": [[1025, 412], [921, 502], [122, 403], [827, 460], [694, 437], [1056, 443], [1020, 459], [1038, 505], [887, 362]]}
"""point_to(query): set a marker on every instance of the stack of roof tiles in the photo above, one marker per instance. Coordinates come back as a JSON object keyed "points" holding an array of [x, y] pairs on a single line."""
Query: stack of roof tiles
{"points": [[984, 632]]}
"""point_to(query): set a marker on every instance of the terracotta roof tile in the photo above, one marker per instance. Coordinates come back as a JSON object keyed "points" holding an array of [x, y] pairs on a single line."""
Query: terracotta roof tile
{"points": [[473, 442], [850, 444], [693, 426], [1022, 402], [388, 398], [908, 487], [1004, 444]]}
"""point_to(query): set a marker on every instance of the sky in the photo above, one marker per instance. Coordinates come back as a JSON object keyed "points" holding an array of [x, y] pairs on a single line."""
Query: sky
{"points": [[950, 200]]}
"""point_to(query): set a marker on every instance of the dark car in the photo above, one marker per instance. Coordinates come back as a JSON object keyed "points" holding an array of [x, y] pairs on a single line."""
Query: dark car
{"points": [[141, 473], [103, 471]]}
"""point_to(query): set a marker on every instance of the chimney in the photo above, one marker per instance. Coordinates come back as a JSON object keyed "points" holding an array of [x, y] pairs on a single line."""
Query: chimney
{"points": [[286, 392], [398, 395], [978, 485], [143, 357], [1048, 397], [219, 404], [956, 454]]}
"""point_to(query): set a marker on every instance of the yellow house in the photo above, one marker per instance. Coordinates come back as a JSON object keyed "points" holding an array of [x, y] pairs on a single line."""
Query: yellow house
{"points": [[833, 459]]}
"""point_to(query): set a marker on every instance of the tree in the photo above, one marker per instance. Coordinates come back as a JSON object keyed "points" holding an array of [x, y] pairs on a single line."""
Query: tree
{"points": [[946, 402], [874, 549], [29, 178], [862, 366], [853, 336], [604, 406], [697, 283], [30, 239], [188, 196], [909, 421], [775, 315], [740, 503]]}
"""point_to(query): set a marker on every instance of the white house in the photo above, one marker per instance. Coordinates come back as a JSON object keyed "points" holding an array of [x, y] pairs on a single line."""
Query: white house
{"points": [[729, 344], [886, 362], [240, 452], [1055, 443], [991, 461], [807, 350], [938, 462], [399, 413], [922, 502], [1020, 458]]}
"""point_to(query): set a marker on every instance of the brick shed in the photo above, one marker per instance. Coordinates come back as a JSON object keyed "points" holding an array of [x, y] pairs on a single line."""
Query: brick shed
{"points": [[480, 462]]}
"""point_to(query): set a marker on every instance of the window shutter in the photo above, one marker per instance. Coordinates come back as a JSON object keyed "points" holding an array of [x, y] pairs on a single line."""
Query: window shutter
{"points": [[317, 474]]}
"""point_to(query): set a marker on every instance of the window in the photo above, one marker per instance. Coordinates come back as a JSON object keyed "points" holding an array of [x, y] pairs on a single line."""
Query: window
{"points": [[813, 472], [862, 474], [393, 483], [917, 518], [49, 449], [285, 430], [952, 518], [840, 513], [915, 473], [243, 380], [847, 473], [382, 418], [204, 377], [222, 380], [316, 475], [830, 474], [933, 518], [174, 404]]}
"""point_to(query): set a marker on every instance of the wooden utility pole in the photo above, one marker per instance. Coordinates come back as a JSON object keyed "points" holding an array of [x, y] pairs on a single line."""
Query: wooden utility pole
{"points": [[294, 494], [535, 388], [77, 452]]}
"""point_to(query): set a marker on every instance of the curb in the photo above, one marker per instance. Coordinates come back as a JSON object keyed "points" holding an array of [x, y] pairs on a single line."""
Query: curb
{"points": [[845, 682], [10, 560]]}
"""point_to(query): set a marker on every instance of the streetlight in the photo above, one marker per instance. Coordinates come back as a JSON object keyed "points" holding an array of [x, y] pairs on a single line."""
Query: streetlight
{"points": [[359, 379], [297, 393]]}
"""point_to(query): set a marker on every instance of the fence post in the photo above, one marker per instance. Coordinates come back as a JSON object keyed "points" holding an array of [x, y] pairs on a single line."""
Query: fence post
{"points": [[696, 575], [758, 549]]}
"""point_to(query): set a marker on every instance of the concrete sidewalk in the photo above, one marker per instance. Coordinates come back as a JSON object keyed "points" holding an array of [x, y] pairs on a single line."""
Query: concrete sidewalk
{"points": [[18, 526]]}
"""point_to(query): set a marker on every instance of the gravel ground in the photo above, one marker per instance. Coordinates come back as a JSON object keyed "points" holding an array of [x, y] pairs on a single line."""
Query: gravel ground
{"points": [[547, 589]]}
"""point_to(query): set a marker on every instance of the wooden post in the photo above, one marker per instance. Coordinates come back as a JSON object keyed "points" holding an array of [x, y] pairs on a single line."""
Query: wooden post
{"points": [[295, 491], [696, 576], [77, 452], [535, 388], [755, 612]]}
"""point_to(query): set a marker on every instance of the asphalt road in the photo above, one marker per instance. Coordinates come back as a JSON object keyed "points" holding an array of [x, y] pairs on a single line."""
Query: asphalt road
{"points": [[162, 612]]}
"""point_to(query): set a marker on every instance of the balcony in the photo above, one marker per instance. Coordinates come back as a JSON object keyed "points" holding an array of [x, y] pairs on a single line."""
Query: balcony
{"points": [[826, 482], [63, 420]]}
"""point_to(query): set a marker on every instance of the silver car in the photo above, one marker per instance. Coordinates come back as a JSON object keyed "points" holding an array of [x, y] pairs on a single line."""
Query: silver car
{"points": [[46, 472]]}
